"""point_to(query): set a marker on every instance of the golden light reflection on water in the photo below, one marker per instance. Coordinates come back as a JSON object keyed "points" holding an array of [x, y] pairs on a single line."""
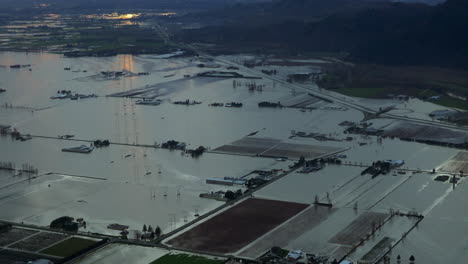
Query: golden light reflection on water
{"points": [[11, 58], [44, 56], [127, 23], [8, 59], [167, 14], [125, 62], [126, 16], [114, 16], [52, 16]]}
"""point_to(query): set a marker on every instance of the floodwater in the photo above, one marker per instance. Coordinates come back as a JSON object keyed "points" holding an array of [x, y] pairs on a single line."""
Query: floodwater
{"points": [[352, 193], [133, 185], [141, 185]]}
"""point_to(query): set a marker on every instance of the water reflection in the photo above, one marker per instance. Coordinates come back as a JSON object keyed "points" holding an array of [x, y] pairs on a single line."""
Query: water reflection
{"points": [[125, 62]]}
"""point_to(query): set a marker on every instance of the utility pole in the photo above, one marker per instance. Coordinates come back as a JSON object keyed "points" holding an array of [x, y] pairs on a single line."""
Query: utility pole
{"points": [[453, 181]]}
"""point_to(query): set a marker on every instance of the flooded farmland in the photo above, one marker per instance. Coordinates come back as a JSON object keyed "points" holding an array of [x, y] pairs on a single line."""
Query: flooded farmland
{"points": [[135, 181]]}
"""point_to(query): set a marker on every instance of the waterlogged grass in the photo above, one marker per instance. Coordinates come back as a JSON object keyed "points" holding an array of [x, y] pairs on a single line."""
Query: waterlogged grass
{"points": [[377, 81], [370, 92], [375, 92], [185, 259], [69, 247], [452, 102]]}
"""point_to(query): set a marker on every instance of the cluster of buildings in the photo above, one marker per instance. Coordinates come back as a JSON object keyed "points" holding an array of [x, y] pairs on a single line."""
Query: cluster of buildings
{"points": [[278, 255]]}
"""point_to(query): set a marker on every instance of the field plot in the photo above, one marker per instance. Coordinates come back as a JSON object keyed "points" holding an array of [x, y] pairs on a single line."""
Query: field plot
{"points": [[306, 220], [233, 229], [302, 187], [15, 234], [15, 257], [425, 133], [370, 192], [358, 229], [69, 247], [160, 89], [429, 192], [457, 163], [268, 147], [377, 250], [375, 246], [7, 178], [299, 101], [39, 241], [186, 259], [122, 253], [248, 146], [295, 151], [340, 252]]}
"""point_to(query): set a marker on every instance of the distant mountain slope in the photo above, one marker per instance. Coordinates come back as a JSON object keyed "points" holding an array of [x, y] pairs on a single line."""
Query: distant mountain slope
{"points": [[429, 2], [410, 34], [398, 34], [281, 10]]}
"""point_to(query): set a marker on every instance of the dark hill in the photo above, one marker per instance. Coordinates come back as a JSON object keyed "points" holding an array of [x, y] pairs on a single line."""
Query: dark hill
{"points": [[283, 10], [408, 34]]}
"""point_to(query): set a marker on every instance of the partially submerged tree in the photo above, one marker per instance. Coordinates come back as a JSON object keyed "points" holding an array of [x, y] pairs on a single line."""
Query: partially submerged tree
{"points": [[158, 232]]}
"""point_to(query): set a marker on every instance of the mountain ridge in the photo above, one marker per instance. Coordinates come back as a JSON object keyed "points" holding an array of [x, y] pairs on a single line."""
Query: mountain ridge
{"points": [[401, 33]]}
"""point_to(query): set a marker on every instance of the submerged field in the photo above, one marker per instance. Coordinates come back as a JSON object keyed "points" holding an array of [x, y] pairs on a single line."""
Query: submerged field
{"points": [[184, 258], [82, 35], [69, 247], [333, 211]]}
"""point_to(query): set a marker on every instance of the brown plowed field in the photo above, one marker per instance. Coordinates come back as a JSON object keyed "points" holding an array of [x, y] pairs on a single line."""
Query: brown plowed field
{"points": [[236, 227]]}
